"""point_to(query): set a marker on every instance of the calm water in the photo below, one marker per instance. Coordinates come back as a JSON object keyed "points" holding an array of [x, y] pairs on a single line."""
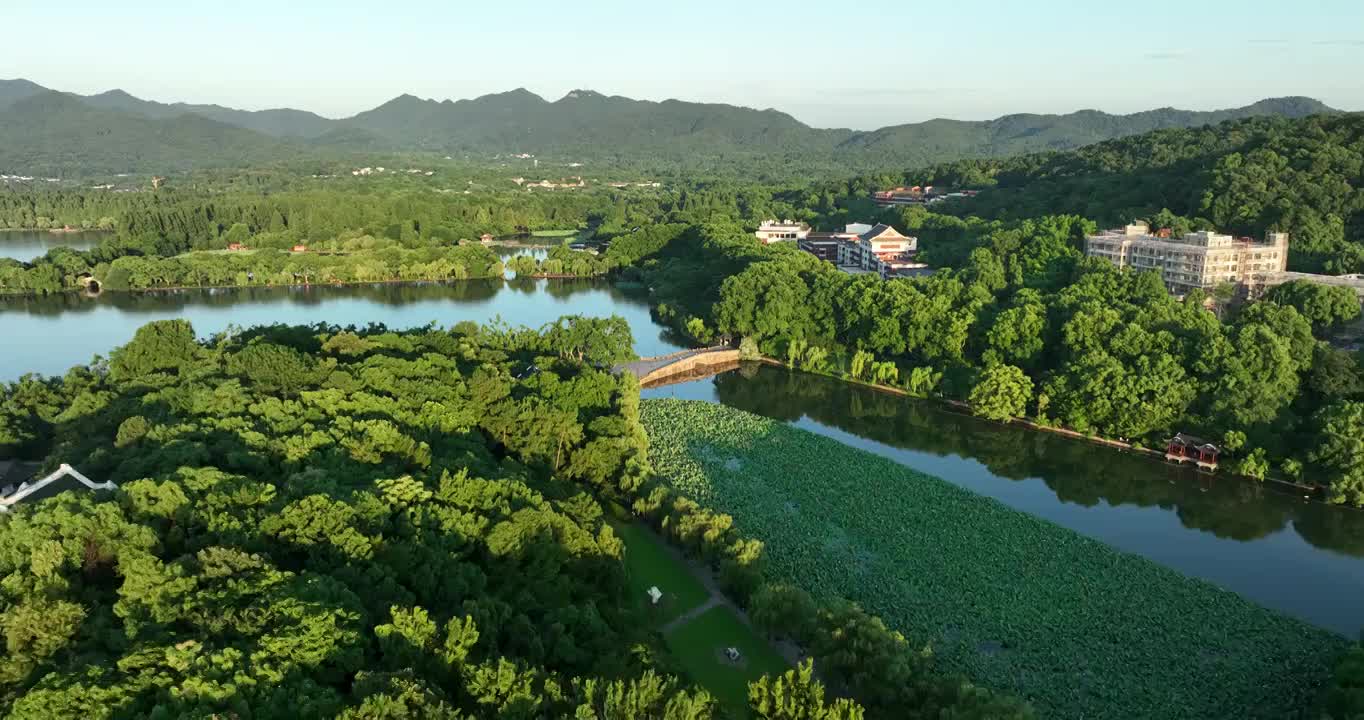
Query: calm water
{"points": [[26, 245], [1305, 559], [48, 335]]}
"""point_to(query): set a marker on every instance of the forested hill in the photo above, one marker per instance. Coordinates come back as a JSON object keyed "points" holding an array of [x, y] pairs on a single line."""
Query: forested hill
{"points": [[930, 141], [587, 121], [282, 123], [583, 123], [1302, 175], [51, 133]]}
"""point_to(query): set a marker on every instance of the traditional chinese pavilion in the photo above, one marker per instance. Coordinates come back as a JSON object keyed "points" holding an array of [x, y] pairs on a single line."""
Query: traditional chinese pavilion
{"points": [[1187, 448]]}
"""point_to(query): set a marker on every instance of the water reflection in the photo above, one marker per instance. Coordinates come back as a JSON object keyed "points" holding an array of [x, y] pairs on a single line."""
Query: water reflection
{"points": [[1303, 558], [25, 245], [47, 335]]}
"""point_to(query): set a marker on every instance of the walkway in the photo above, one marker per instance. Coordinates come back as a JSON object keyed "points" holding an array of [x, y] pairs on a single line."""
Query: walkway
{"points": [[651, 369], [713, 601], [788, 650]]}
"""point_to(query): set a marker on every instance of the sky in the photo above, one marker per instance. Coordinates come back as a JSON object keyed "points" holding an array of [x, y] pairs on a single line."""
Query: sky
{"points": [[829, 64]]}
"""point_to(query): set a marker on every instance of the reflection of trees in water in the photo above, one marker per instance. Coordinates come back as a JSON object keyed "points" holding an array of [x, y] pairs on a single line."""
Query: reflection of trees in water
{"points": [[1329, 526], [1077, 472], [159, 301], [564, 288], [1233, 508]]}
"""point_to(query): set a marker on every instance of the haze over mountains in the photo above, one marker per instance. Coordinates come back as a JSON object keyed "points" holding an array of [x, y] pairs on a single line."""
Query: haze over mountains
{"points": [[43, 131]]}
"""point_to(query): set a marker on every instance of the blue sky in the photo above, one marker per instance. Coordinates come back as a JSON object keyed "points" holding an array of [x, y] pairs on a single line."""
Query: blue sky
{"points": [[846, 64]]}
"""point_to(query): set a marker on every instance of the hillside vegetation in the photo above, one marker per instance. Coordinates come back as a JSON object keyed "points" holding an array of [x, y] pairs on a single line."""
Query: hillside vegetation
{"points": [[144, 136], [51, 133], [1305, 176]]}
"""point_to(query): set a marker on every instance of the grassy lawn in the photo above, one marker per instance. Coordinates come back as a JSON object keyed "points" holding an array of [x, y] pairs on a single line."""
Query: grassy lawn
{"points": [[1012, 601], [650, 564], [554, 233], [699, 646]]}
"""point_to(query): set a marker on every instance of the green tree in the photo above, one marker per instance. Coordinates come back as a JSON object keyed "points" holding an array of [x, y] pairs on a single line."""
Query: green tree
{"points": [[156, 346], [1325, 306], [1339, 453], [275, 368], [1002, 393], [796, 695], [131, 430], [239, 233]]}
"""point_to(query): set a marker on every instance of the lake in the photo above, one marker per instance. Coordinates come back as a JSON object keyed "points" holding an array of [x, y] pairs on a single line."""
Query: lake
{"points": [[1302, 558], [25, 245], [47, 335]]}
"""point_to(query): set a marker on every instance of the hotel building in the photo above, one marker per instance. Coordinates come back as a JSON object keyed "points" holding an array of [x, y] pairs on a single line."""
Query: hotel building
{"points": [[1198, 261]]}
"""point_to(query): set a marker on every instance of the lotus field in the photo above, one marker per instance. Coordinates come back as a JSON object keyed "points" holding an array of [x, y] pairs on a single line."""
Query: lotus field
{"points": [[1011, 601]]}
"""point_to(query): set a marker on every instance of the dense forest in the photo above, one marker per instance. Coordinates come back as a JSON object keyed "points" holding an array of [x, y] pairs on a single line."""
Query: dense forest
{"points": [[325, 522], [1029, 327], [1246, 177], [161, 239]]}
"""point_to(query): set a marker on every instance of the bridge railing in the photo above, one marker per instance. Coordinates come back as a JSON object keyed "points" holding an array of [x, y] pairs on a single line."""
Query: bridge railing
{"points": [[684, 353]]}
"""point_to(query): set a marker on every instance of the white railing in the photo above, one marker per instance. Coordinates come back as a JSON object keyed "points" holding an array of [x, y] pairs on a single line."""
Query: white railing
{"points": [[27, 489]]}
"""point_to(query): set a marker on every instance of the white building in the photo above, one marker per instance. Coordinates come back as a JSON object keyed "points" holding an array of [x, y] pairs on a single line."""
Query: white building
{"points": [[880, 249], [1199, 260], [785, 231]]}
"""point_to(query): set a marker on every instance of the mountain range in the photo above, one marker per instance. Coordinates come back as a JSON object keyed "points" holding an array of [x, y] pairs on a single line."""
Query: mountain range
{"points": [[44, 131]]}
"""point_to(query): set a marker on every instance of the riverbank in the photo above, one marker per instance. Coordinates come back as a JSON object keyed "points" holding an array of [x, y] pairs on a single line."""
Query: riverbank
{"points": [[1015, 602], [1316, 492]]}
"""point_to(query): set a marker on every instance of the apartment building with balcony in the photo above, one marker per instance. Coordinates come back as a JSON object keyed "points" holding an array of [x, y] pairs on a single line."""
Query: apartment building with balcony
{"points": [[1197, 261]]}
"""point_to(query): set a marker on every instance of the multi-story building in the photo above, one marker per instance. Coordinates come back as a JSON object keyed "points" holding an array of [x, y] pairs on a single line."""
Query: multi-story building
{"points": [[917, 195], [825, 245], [1198, 261], [785, 231], [880, 249]]}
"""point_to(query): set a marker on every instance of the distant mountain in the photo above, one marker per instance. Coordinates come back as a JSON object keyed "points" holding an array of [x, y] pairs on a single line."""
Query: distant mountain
{"points": [[582, 123], [583, 120], [282, 123], [12, 91], [937, 140], [520, 121], [52, 133]]}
